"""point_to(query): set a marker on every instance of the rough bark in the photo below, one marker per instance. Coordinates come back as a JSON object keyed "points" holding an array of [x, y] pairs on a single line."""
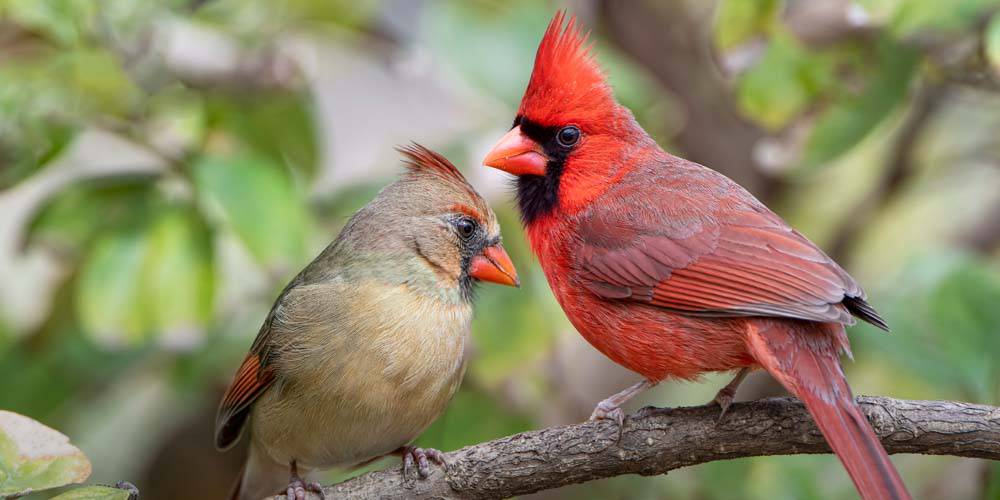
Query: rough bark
{"points": [[655, 441]]}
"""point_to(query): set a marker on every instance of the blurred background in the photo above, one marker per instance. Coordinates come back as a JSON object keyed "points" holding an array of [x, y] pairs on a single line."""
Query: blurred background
{"points": [[167, 166]]}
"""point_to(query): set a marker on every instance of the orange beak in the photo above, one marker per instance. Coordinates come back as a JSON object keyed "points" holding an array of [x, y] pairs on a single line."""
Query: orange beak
{"points": [[517, 154], [494, 265]]}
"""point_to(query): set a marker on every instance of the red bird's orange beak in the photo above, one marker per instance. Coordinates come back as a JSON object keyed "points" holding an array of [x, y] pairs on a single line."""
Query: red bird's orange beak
{"points": [[494, 265], [517, 154]]}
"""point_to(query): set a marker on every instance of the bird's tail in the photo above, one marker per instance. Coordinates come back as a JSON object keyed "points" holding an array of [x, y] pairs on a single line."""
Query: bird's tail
{"points": [[805, 358], [260, 477]]}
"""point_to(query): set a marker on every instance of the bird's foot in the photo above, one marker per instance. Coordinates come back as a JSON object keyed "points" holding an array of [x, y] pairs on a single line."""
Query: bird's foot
{"points": [[297, 489], [421, 457], [608, 410], [724, 399]]}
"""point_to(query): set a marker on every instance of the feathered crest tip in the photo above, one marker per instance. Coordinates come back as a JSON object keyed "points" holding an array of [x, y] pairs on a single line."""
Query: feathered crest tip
{"points": [[566, 74], [422, 160]]}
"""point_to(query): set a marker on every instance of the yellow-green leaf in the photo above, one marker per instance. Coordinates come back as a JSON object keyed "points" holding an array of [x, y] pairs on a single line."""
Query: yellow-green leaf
{"points": [[93, 493], [991, 43], [179, 277], [34, 457], [738, 20], [783, 83], [108, 292]]}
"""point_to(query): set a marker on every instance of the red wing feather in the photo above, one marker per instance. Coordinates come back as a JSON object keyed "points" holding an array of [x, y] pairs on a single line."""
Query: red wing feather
{"points": [[723, 254], [249, 383]]}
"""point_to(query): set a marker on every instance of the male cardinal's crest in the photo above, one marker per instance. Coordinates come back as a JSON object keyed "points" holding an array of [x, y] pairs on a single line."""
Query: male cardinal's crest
{"points": [[566, 81]]}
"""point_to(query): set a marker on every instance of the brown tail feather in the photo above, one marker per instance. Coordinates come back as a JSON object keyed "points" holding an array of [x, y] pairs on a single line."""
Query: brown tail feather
{"points": [[804, 357], [234, 492]]}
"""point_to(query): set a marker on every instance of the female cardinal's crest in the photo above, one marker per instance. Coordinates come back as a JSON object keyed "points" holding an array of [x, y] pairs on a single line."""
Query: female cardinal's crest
{"points": [[566, 84], [422, 162]]}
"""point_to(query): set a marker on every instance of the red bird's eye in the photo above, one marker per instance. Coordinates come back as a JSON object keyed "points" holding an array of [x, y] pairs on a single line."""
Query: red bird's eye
{"points": [[568, 136]]}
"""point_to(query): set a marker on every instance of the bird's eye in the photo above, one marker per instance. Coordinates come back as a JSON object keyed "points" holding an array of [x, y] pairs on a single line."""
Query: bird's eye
{"points": [[568, 136], [466, 227]]}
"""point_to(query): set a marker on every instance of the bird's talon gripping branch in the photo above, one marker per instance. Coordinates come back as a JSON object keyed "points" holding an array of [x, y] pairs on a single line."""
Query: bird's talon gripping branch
{"points": [[606, 410], [610, 408], [419, 457], [724, 398], [297, 487]]}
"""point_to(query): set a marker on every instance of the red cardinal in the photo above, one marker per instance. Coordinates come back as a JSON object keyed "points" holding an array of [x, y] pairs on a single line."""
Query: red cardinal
{"points": [[670, 268]]}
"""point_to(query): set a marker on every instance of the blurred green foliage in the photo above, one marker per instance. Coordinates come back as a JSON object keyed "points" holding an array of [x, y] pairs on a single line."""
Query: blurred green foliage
{"points": [[167, 257]]}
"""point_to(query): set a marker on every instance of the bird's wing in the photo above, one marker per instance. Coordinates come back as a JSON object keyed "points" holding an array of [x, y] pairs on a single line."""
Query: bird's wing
{"points": [[696, 243], [253, 378]]}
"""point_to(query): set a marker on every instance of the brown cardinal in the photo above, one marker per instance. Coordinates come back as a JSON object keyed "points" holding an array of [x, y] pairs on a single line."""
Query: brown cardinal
{"points": [[670, 268], [364, 348]]}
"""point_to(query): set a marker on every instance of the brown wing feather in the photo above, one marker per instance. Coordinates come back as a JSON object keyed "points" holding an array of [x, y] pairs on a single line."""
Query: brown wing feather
{"points": [[252, 379], [704, 246]]}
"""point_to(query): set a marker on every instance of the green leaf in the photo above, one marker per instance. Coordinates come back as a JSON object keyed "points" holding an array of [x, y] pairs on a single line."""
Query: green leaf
{"points": [[944, 324], [34, 457], [66, 21], [854, 115], [94, 82], [93, 493], [279, 126], [912, 16], [736, 21], [253, 18], [157, 277], [178, 276], [783, 83], [991, 43], [72, 217], [109, 299], [260, 203], [964, 305]]}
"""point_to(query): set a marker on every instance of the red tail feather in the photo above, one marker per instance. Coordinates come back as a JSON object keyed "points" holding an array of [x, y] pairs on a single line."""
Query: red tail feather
{"points": [[804, 357]]}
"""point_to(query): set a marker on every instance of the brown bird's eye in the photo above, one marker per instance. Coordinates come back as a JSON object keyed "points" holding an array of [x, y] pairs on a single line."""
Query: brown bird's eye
{"points": [[568, 136], [466, 227]]}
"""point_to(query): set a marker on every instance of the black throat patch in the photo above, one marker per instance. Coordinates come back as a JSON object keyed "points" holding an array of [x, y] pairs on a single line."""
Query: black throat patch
{"points": [[538, 195]]}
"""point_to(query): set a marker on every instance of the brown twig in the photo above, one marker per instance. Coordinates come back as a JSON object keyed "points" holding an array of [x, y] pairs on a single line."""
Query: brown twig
{"points": [[655, 442]]}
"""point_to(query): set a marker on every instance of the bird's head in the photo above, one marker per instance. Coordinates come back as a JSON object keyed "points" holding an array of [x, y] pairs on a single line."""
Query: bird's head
{"points": [[569, 129], [442, 222]]}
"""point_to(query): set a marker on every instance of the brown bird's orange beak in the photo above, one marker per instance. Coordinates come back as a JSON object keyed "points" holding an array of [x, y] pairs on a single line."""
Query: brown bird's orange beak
{"points": [[494, 265], [517, 154]]}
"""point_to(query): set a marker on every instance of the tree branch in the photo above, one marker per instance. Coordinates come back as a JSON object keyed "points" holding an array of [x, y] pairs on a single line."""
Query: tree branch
{"points": [[656, 441]]}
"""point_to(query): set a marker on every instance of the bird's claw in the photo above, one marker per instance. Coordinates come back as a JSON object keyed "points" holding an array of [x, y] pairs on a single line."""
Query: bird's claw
{"points": [[421, 457], [607, 410], [724, 399], [297, 489]]}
